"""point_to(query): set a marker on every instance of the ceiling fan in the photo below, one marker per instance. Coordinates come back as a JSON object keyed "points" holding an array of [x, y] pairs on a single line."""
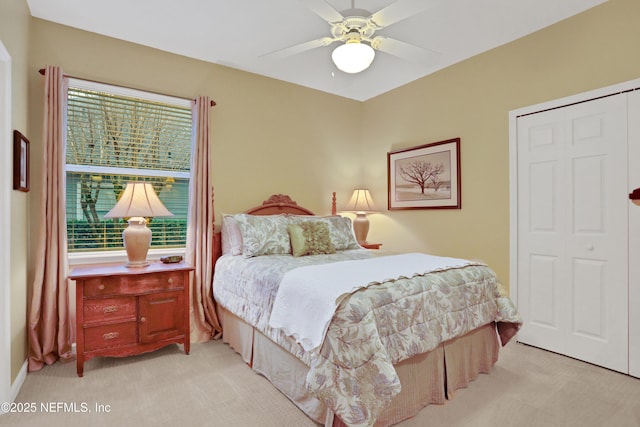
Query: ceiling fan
{"points": [[356, 28]]}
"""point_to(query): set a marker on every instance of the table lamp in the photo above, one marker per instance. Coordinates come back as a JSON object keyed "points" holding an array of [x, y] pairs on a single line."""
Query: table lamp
{"points": [[139, 200], [361, 203]]}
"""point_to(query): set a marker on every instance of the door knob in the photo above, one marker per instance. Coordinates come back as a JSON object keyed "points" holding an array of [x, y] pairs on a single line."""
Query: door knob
{"points": [[634, 196]]}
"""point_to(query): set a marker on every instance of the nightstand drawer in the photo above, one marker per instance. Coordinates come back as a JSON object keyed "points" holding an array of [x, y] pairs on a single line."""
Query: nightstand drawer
{"points": [[110, 336], [109, 309], [132, 284]]}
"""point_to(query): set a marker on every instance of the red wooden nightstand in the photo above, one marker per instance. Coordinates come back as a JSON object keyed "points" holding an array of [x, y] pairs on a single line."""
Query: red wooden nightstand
{"points": [[124, 311], [371, 245]]}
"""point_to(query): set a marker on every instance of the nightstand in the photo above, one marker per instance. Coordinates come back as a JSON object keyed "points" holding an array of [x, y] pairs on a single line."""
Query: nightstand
{"points": [[371, 245], [124, 311]]}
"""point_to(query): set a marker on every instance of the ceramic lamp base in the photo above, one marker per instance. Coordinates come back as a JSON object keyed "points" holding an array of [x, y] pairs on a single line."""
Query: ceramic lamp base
{"points": [[137, 264], [361, 227], [137, 239]]}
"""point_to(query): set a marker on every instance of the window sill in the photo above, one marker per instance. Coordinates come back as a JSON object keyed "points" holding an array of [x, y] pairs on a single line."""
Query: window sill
{"points": [[110, 257]]}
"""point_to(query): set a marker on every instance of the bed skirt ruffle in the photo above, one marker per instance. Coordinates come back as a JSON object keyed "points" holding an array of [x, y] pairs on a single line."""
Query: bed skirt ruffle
{"points": [[429, 378]]}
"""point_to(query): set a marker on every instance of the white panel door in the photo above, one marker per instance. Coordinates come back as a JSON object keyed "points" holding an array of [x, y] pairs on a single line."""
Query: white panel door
{"points": [[572, 231], [634, 235]]}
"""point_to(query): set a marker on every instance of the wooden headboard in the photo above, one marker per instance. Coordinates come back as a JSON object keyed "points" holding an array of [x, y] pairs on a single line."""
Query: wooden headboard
{"points": [[274, 205], [279, 204]]}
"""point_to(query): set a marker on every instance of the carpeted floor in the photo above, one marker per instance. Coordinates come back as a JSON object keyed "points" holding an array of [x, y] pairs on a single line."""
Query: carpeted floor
{"points": [[213, 387]]}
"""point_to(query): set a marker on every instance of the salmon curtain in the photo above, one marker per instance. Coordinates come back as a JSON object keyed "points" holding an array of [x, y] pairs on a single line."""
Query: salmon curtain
{"points": [[49, 329], [200, 233]]}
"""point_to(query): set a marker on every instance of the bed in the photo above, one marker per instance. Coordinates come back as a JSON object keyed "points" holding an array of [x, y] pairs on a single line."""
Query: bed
{"points": [[391, 347]]}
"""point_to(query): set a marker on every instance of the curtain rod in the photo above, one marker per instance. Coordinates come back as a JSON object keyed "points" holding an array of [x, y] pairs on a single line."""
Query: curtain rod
{"points": [[42, 70]]}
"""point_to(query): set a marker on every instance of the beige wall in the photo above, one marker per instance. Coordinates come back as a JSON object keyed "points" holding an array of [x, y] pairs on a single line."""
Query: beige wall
{"points": [[271, 136], [268, 136], [14, 32], [471, 100]]}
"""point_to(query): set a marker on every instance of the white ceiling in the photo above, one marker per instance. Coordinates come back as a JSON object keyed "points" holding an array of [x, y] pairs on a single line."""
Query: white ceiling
{"points": [[239, 33]]}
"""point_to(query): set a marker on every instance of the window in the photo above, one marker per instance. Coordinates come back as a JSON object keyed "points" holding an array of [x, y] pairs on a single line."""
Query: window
{"points": [[116, 135]]}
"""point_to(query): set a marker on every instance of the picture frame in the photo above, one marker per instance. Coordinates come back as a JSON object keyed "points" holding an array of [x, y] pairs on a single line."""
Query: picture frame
{"points": [[425, 177], [20, 162]]}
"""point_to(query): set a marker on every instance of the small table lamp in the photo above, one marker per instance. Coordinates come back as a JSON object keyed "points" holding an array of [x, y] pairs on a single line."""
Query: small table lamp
{"points": [[361, 203], [138, 200]]}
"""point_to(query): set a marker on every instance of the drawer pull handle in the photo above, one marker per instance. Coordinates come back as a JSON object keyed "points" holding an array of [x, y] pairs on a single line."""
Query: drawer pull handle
{"points": [[101, 287], [110, 335], [110, 309], [170, 280], [143, 319], [162, 301]]}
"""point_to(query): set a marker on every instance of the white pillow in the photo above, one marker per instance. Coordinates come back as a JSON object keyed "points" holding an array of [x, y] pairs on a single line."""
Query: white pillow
{"points": [[231, 236]]}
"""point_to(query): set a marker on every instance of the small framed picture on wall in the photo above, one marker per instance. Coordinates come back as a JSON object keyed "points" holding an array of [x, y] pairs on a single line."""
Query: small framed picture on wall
{"points": [[20, 162]]}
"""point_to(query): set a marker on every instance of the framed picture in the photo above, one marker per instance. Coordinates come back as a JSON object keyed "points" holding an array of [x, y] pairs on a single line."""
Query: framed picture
{"points": [[425, 177], [20, 162]]}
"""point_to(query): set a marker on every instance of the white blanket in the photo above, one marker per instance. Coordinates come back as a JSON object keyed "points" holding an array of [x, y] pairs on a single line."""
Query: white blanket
{"points": [[308, 296]]}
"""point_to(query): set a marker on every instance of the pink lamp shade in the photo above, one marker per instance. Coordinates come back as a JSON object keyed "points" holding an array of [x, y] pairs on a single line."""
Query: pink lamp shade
{"points": [[139, 200], [361, 202]]}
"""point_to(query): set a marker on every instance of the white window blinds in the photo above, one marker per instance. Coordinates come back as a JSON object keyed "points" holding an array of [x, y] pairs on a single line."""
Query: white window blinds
{"points": [[116, 135]]}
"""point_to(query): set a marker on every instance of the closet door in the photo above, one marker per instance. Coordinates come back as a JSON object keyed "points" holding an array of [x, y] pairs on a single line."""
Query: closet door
{"points": [[572, 231], [634, 235]]}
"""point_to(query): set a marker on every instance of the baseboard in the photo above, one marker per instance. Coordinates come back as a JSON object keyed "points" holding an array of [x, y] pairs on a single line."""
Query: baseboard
{"points": [[22, 376], [15, 387], [17, 384]]}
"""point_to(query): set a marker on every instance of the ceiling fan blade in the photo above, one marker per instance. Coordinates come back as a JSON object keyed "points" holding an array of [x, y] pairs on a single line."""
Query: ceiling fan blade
{"points": [[299, 48], [323, 10], [405, 50], [399, 10]]}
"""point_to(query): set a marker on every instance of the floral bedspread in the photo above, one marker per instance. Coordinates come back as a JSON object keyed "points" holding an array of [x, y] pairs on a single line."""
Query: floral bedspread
{"points": [[373, 329], [247, 287]]}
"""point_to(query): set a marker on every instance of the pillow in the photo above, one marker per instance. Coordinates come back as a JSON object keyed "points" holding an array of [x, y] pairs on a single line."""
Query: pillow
{"points": [[310, 238], [340, 229], [231, 236], [263, 235], [342, 234]]}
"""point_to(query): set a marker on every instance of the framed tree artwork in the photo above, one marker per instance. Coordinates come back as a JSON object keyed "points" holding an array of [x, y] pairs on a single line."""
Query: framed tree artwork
{"points": [[425, 177], [20, 162]]}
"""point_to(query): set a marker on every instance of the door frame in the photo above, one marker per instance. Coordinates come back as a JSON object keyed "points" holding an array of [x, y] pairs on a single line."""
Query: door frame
{"points": [[6, 145], [513, 162]]}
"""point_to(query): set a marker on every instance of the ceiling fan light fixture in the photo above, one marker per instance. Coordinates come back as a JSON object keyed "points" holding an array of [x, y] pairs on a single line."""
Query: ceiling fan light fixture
{"points": [[353, 56]]}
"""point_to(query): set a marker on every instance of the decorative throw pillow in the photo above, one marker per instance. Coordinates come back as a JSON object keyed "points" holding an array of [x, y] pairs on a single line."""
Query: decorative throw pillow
{"points": [[310, 238], [340, 229], [231, 236], [263, 235]]}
